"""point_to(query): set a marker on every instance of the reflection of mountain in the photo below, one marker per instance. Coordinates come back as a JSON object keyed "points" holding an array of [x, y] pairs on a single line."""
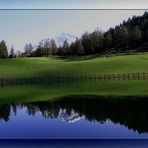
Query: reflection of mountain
{"points": [[71, 118], [132, 113]]}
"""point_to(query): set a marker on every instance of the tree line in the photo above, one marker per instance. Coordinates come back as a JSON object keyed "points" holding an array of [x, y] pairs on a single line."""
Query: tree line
{"points": [[127, 36]]}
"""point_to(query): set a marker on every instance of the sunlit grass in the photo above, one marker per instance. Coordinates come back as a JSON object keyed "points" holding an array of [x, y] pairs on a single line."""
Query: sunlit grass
{"points": [[29, 67]]}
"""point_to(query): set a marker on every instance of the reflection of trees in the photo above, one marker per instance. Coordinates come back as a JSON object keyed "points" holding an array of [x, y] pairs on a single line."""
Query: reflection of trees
{"points": [[4, 112], [132, 114], [47, 109]]}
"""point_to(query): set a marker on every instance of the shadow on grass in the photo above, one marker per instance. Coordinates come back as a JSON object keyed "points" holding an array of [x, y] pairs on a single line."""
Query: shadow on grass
{"points": [[90, 57], [79, 58]]}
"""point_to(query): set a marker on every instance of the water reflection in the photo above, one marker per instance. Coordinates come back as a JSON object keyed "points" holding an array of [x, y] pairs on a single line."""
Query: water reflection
{"points": [[133, 114]]}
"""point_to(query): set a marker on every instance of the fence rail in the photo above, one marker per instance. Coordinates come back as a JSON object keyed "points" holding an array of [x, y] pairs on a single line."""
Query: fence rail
{"points": [[81, 78]]}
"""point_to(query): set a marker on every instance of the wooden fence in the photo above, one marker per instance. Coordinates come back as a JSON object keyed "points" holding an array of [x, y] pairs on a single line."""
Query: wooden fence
{"points": [[81, 78]]}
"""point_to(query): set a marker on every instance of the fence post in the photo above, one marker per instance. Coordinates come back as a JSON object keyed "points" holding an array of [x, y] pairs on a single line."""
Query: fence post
{"points": [[118, 76], [128, 76], [95, 77], [85, 79], [2, 82], [138, 76], [104, 77], [114, 76], [143, 75], [133, 76], [123, 76]]}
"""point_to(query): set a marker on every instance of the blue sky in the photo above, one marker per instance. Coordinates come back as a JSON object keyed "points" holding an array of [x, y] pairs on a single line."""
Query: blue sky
{"points": [[18, 27], [81, 4]]}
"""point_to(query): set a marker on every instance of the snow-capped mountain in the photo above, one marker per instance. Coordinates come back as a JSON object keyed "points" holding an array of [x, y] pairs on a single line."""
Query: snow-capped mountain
{"points": [[65, 36], [98, 29], [71, 38], [73, 117]]}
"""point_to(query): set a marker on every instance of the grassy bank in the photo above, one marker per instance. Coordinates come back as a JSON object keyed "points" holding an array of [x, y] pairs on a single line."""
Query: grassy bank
{"points": [[30, 67]]}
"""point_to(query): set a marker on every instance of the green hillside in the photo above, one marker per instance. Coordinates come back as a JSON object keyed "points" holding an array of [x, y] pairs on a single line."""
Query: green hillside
{"points": [[29, 67]]}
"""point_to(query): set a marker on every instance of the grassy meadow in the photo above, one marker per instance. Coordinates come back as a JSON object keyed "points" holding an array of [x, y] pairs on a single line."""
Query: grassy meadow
{"points": [[33, 67]]}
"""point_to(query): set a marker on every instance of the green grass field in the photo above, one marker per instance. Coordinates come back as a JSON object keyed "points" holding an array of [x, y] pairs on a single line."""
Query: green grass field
{"points": [[33, 67], [26, 67]]}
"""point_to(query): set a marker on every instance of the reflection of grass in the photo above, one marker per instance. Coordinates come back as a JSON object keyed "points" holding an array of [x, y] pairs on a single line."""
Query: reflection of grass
{"points": [[27, 67], [44, 92]]}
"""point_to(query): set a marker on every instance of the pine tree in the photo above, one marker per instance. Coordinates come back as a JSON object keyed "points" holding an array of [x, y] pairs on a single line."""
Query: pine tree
{"points": [[54, 47], [79, 47], [108, 40], [86, 42], [96, 42], [3, 50], [47, 47], [11, 52], [124, 36], [65, 48], [28, 49], [136, 35], [38, 52]]}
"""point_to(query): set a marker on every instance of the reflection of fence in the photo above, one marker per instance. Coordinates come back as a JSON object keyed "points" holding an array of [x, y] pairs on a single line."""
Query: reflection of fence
{"points": [[82, 78]]}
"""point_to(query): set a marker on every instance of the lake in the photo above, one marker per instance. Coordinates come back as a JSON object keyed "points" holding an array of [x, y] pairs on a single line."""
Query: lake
{"points": [[75, 117]]}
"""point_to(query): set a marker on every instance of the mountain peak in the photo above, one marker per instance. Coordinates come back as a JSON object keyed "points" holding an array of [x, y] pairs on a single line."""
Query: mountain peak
{"points": [[65, 36], [98, 29]]}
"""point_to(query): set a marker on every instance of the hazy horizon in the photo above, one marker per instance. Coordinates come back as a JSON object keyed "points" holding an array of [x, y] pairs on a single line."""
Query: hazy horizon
{"points": [[19, 27]]}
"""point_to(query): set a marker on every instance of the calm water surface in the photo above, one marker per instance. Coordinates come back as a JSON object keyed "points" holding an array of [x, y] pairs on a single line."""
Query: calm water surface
{"points": [[75, 118]]}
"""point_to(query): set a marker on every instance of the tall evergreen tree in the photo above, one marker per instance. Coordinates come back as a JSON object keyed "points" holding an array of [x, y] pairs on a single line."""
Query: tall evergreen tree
{"points": [[116, 37], [65, 48], [136, 35], [96, 41], [47, 47], [28, 49], [79, 47], [108, 40], [54, 47], [86, 42], [73, 50], [124, 36], [3, 50], [38, 52], [11, 52]]}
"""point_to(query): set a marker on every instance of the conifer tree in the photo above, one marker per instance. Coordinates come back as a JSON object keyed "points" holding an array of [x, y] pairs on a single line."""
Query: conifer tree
{"points": [[11, 52], [3, 50]]}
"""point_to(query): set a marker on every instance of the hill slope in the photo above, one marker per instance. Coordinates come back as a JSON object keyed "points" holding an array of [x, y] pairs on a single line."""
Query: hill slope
{"points": [[29, 67]]}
